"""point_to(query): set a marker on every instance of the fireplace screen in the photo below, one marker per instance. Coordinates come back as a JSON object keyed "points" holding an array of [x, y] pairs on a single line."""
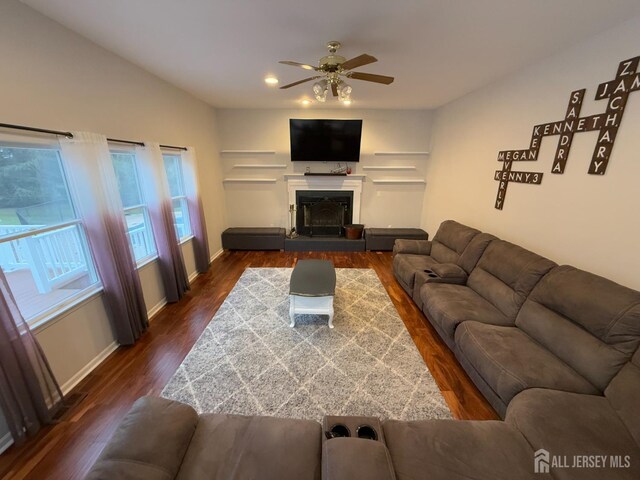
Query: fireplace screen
{"points": [[323, 213]]}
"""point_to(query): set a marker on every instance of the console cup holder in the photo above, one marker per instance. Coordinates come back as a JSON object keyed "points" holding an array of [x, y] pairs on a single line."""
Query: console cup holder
{"points": [[338, 430], [367, 432], [431, 273]]}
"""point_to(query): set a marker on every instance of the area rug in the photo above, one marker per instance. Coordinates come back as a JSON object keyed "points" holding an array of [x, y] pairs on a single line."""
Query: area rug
{"points": [[249, 361]]}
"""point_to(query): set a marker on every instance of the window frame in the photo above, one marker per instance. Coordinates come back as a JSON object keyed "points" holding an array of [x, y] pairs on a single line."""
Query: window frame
{"points": [[152, 256], [181, 198], [56, 310]]}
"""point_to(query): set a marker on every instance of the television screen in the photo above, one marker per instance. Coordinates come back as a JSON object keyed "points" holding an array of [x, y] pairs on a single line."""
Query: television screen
{"points": [[325, 140]]}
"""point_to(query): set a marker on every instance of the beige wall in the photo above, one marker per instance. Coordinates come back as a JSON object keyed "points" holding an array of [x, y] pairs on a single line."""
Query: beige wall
{"points": [[53, 78], [585, 220], [250, 204]]}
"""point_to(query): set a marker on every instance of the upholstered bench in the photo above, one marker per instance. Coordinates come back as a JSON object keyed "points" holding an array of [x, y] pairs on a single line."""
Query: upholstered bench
{"points": [[384, 238], [254, 238]]}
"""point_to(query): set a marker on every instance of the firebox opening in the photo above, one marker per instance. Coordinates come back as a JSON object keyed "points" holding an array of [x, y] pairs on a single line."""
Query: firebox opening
{"points": [[323, 212]]}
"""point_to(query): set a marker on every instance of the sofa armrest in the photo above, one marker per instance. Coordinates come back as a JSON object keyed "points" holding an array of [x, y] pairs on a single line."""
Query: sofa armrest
{"points": [[414, 247], [348, 458], [149, 443], [446, 273]]}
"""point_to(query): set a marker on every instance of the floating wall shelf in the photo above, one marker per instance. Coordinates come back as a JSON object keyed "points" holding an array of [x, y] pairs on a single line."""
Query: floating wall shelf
{"points": [[249, 152], [401, 153], [260, 165], [390, 167], [249, 180], [400, 180]]}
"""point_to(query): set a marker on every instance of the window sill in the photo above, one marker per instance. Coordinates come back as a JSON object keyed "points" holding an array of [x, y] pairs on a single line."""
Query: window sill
{"points": [[146, 261], [186, 239], [58, 312]]}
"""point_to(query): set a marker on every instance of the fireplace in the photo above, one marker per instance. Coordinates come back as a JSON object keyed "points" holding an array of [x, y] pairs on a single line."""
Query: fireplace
{"points": [[323, 212]]}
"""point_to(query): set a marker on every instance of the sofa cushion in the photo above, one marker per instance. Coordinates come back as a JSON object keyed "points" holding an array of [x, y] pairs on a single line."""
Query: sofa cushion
{"points": [[571, 424], [348, 458], [591, 323], [226, 447], [405, 267], [510, 361], [623, 394], [450, 241], [448, 305], [457, 450], [506, 274], [471, 255], [149, 443]]}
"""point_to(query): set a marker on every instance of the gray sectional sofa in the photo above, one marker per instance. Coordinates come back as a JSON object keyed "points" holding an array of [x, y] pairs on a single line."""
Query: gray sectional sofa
{"points": [[553, 348]]}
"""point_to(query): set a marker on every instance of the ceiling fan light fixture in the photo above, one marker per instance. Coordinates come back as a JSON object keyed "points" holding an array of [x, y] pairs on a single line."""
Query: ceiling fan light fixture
{"points": [[344, 92], [320, 90], [271, 80]]}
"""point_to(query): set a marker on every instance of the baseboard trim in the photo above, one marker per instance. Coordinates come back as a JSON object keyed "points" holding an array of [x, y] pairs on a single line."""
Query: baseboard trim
{"points": [[192, 277], [156, 308], [5, 442], [88, 368], [216, 255]]}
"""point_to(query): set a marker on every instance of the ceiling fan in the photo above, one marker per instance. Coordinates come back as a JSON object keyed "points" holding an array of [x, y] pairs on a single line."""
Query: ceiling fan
{"points": [[332, 69]]}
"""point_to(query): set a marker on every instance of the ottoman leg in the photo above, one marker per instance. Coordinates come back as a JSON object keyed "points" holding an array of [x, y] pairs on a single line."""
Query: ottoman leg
{"points": [[331, 315], [292, 310]]}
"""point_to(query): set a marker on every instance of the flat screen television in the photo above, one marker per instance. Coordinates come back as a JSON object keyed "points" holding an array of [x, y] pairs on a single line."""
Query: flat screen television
{"points": [[325, 140]]}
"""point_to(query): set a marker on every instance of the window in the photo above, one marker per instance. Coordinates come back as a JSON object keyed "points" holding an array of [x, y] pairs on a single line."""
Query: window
{"points": [[43, 249], [173, 167], [136, 213]]}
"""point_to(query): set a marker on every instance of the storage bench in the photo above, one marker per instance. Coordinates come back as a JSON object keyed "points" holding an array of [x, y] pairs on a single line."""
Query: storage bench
{"points": [[253, 238], [384, 238]]}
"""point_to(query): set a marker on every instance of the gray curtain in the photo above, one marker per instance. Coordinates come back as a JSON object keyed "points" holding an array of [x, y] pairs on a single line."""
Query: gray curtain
{"points": [[95, 187], [156, 190], [29, 392], [196, 211]]}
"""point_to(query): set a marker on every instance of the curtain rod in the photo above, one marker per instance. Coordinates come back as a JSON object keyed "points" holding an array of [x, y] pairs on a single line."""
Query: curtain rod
{"points": [[38, 130], [174, 148], [70, 135], [127, 142]]}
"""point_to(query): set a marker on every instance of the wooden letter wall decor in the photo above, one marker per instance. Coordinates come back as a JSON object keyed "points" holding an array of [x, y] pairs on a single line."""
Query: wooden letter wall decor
{"points": [[617, 91]]}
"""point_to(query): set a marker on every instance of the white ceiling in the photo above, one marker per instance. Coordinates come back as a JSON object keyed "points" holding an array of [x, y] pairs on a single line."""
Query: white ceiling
{"points": [[438, 50]]}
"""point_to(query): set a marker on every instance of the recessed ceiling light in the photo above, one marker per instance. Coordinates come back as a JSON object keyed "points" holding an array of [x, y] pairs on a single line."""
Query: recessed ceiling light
{"points": [[346, 102], [306, 102], [271, 80]]}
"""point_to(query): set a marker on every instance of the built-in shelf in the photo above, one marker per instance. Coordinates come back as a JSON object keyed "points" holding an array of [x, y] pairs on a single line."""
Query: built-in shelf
{"points": [[290, 176], [260, 165], [390, 167], [249, 180], [401, 153], [249, 152], [417, 181]]}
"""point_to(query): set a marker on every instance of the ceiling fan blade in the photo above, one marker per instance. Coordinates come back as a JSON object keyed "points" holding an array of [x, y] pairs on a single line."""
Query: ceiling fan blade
{"points": [[358, 61], [299, 82], [334, 89], [370, 77], [297, 64]]}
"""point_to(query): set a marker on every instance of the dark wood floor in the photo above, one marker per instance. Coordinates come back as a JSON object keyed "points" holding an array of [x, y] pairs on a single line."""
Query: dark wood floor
{"points": [[66, 450]]}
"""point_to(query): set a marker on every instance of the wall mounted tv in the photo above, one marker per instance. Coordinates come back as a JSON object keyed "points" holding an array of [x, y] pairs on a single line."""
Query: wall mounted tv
{"points": [[325, 140]]}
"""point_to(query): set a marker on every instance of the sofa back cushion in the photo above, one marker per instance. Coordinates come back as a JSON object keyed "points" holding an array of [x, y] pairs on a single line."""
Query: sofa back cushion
{"points": [[469, 258], [623, 394], [506, 274], [450, 241], [589, 322]]}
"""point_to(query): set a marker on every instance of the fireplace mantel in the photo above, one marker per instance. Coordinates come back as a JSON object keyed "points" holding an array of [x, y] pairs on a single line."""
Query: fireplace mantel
{"points": [[347, 183]]}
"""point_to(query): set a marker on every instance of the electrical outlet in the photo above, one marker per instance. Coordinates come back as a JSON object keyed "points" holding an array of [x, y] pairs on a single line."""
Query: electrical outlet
{"points": [[378, 194]]}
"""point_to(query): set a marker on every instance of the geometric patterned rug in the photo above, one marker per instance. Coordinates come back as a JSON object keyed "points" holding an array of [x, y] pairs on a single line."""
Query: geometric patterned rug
{"points": [[249, 361]]}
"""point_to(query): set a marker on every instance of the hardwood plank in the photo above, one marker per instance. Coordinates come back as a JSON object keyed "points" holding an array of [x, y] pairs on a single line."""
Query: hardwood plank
{"points": [[67, 450]]}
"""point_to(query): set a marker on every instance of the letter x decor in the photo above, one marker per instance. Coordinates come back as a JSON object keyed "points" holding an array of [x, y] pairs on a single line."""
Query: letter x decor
{"points": [[616, 90]]}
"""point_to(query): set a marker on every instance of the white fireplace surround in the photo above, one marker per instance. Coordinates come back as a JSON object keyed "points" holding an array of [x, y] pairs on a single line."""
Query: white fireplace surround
{"points": [[350, 183]]}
